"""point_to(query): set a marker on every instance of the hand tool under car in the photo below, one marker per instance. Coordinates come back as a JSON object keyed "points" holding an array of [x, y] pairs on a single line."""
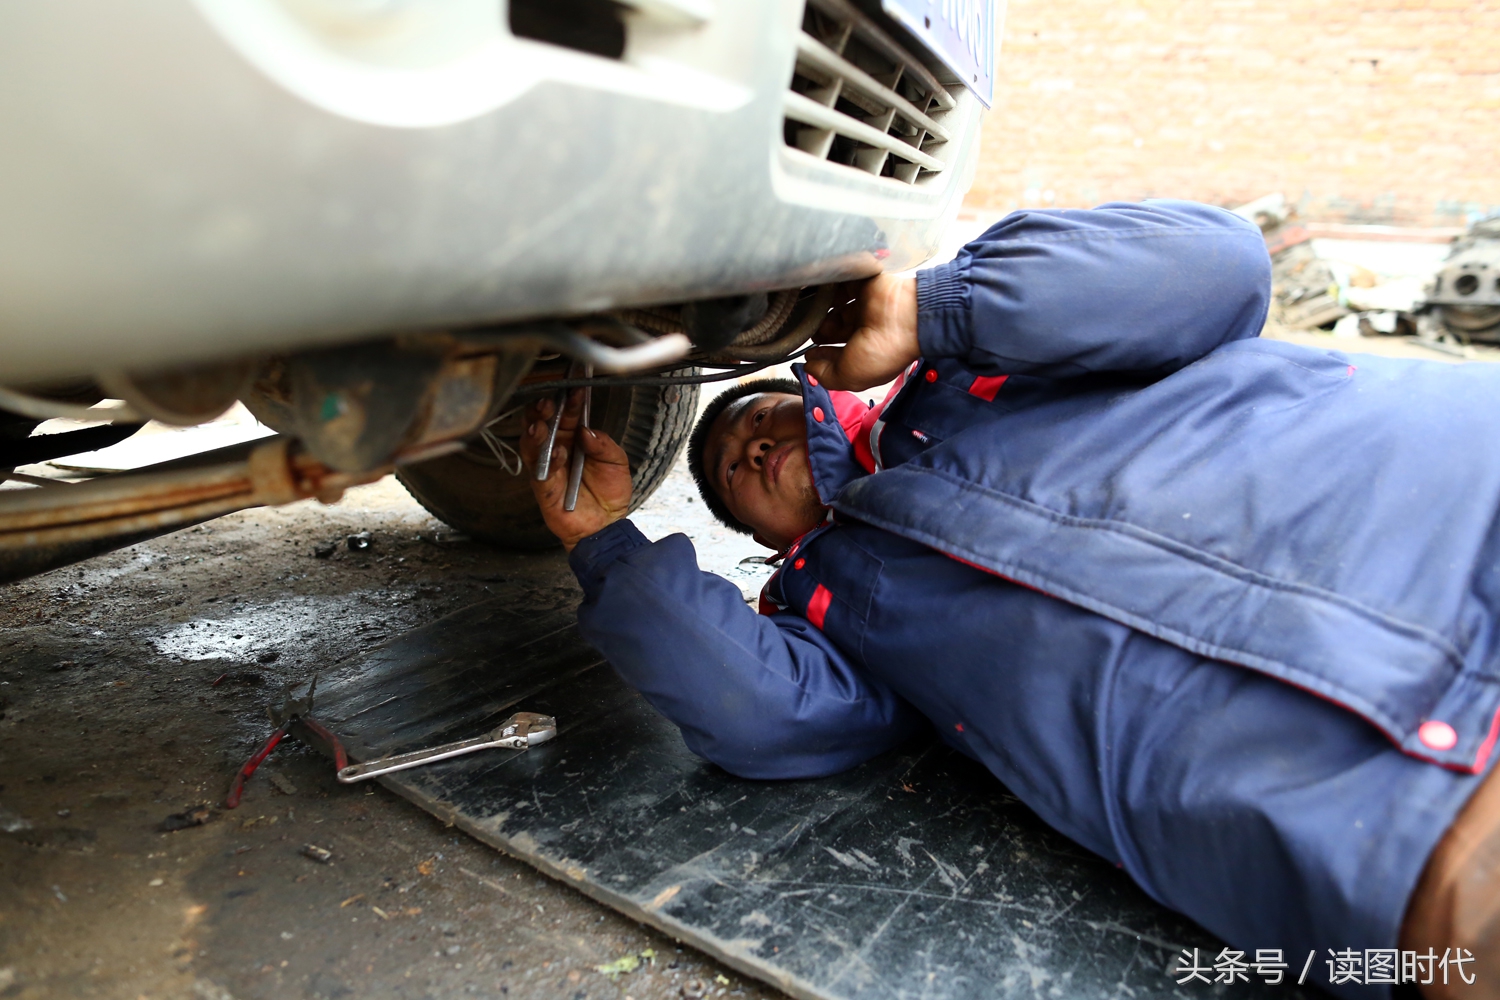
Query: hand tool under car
{"points": [[544, 460], [575, 470], [522, 730]]}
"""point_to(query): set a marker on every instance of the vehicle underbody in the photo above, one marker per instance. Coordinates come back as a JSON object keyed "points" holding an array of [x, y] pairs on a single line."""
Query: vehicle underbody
{"points": [[442, 411]]}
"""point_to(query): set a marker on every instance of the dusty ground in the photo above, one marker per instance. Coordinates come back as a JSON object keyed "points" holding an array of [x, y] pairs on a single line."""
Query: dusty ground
{"points": [[132, 686]]}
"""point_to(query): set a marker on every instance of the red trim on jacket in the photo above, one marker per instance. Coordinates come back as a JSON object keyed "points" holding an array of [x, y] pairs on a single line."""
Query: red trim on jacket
{"points": [[850, 410], [985, 386], [1482, 757], [817, 608], [864, 453], [986, 569]]}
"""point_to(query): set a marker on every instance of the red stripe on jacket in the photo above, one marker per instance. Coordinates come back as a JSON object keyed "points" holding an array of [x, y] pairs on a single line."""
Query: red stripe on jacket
{"points": [[863, 453], [817, 608], [985, 386], [850, 410]]}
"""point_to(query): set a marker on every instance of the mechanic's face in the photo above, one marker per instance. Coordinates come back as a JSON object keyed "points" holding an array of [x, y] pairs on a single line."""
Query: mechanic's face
{"points": [[756, 458]]}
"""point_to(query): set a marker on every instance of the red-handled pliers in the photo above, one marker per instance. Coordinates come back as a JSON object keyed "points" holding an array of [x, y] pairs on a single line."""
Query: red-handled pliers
{"points": [[291, 710]]}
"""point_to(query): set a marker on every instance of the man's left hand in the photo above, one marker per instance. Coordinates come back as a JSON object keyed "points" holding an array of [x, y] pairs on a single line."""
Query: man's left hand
{"points": [[876, 322], [603, 496]]}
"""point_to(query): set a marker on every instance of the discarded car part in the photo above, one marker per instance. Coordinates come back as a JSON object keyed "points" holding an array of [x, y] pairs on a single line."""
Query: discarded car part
{"points": [[41, 408], [475, 491], [1478, 322], [1386, 323], [44, 528], [519, 732], [575, 461], [1465, 294], [1304, 290], [183, 396]]}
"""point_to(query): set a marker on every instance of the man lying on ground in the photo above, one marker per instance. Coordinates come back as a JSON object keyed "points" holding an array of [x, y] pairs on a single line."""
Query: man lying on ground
{"points": [[1224, 610]]}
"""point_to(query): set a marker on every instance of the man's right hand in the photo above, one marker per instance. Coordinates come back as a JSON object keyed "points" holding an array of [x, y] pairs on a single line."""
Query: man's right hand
{"points": [[876, 322], [603, 496]]}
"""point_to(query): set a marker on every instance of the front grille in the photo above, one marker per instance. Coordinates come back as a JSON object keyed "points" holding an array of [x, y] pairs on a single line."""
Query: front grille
{"points": [[858, 98]]}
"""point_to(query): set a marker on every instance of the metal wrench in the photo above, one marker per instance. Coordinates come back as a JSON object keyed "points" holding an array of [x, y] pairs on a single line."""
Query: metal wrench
{"points": [[575, 471], [522, 730], [544, 460]]}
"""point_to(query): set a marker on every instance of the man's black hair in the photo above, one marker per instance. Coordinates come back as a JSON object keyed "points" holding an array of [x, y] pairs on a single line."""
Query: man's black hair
{"points": [[699, 441]]}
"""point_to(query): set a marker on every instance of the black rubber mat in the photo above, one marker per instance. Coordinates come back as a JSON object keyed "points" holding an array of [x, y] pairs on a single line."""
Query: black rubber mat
{"points": [[915, 875]]}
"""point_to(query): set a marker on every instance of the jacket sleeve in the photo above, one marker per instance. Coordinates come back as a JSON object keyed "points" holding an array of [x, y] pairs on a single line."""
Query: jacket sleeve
{"points": [[1145, 288], [762, 697]]}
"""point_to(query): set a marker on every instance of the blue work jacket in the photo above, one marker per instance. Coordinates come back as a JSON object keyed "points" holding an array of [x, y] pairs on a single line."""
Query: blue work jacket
{"points": [[1112, 544]]}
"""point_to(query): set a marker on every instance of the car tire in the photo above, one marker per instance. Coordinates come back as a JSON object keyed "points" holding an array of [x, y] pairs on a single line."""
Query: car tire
{"points": [[474, 492]]}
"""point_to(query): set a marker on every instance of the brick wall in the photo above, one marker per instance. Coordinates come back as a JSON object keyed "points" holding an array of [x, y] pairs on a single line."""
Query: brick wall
{"points": [[1374, 111]]}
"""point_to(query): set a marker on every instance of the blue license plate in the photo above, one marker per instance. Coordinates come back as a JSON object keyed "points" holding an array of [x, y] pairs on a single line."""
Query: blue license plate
{"points": [[964, 34]]}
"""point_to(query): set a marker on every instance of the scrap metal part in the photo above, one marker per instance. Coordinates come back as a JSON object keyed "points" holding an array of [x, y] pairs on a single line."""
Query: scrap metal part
{"points": [[1463, 300], [1304, 291]]}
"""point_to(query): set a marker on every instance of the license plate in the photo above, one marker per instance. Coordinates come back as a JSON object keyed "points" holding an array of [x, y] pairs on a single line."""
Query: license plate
{"points": [[964, 34]]}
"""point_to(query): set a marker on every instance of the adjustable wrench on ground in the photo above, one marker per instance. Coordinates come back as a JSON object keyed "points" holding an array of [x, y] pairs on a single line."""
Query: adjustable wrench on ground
{"points": [[522, 730]]}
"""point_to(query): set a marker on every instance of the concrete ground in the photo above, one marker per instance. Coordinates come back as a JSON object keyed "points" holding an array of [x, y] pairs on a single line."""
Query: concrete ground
{"points": [[133, 686]]}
